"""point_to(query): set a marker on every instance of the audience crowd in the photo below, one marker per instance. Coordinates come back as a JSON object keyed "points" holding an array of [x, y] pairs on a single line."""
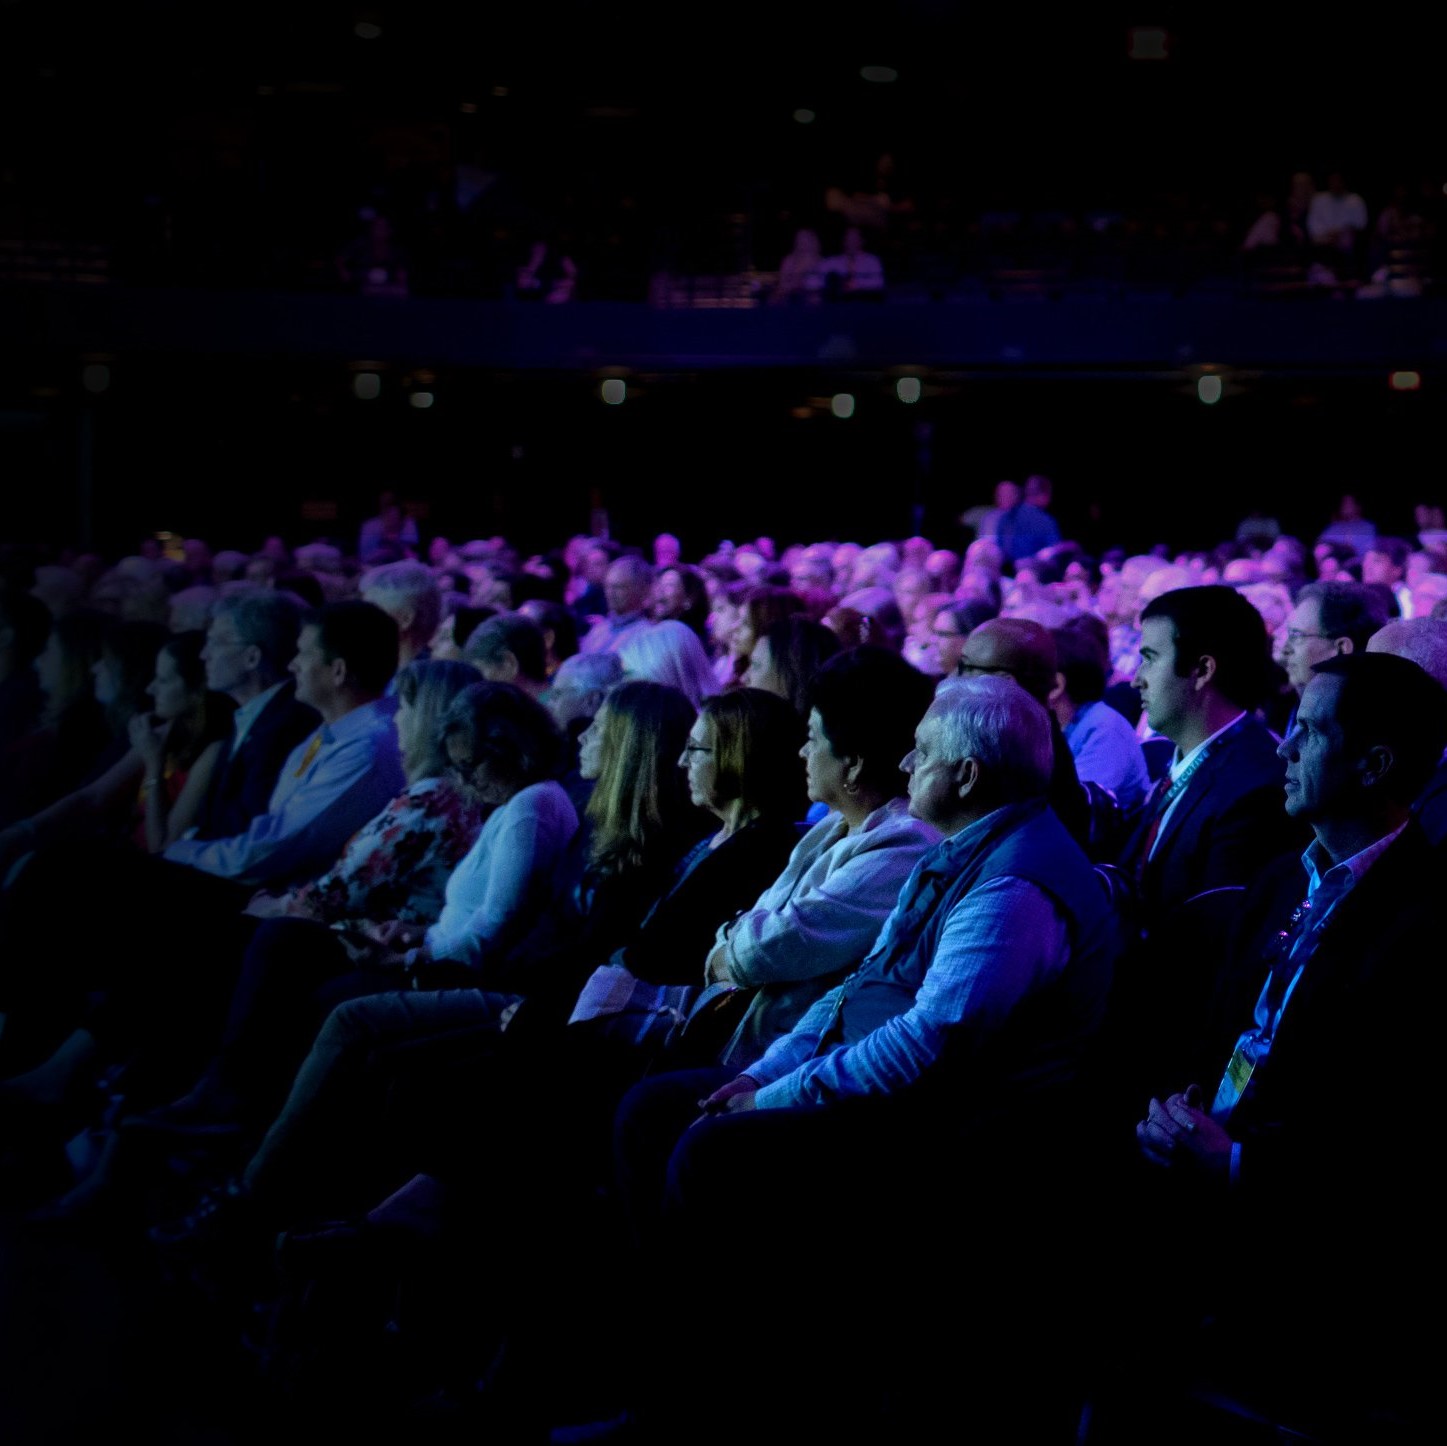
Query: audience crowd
{"points": [[570, 965]]}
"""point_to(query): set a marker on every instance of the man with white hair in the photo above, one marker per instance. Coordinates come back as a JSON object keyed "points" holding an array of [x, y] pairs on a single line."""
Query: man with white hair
{"points": [[408, 593], [998, 910], [1422, 641], [971, 1013]]}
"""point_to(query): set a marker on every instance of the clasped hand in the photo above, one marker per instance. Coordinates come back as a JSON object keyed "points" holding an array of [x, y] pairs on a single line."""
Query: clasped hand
{"points": [[1179, 1132]]}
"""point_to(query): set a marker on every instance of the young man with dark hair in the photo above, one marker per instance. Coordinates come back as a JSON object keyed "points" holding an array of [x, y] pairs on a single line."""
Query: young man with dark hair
{"points": [[1209, 825]]}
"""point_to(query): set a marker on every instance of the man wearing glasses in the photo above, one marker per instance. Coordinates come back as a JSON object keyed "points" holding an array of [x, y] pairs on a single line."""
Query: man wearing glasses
{"points": [[1330, 620]]}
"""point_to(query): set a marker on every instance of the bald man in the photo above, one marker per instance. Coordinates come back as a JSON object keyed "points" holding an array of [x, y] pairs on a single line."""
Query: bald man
{"points": [[1023, 650], [1422, 641]]}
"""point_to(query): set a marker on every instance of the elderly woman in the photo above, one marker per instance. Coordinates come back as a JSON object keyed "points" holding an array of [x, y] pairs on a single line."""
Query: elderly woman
{"points": [[670, 653], [819, 918]]}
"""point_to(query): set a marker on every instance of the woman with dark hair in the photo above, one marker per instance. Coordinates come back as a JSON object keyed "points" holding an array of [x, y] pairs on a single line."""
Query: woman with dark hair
{"points": [[456, 628], [681, 592], [560, 630], [741, 761], [820, 917], [126, 665], [786, 658], [154, 790], [759, 608], [180, 742]]}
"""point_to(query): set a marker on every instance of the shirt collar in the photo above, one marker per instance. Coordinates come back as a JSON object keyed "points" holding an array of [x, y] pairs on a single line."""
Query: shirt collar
{"points": [[948, 849], [350, 725], [1322, 873], [251, 710], [1183, 761]]}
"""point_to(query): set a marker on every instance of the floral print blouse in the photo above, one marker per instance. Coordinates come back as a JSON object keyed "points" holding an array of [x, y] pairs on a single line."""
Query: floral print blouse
{"points": [[397, 866]]}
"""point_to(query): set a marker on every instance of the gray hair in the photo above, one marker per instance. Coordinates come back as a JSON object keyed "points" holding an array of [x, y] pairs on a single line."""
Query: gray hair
{"points": [[1422, 641], [269, 620], [996, 722], [411, 584], [670, 653], [580, 684]]}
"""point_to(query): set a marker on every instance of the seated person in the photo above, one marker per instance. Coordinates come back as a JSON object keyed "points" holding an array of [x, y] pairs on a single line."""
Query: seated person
{"points": [[1024, 650], [641, 818], [972, 1012], [155, 789], [819, 917], [786, 658], [1103, 744], [1290, 1152], [329, 787], [669, 652], [62, 753], [395, 868]]}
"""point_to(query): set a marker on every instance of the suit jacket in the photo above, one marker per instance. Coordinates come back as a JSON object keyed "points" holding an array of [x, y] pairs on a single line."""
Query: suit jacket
{"points": [[1230, 821], [241, 787], [1336, 1196], [1431, 808], [1226, 827]]}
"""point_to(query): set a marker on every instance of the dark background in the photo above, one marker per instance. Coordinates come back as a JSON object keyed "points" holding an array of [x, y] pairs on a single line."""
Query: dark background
{"points": [[207, 149]]}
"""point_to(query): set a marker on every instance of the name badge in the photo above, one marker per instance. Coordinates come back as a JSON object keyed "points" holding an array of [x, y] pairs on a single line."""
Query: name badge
{"points": [[1239, 1069]]}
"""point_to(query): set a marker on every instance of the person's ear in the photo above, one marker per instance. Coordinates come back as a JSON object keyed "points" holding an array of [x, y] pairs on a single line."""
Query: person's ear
{"points": [[967, 776], [1345, 647], [1204, 671], [1057, 691], [507, 667], [339, 672], [853, 771], [1374, 765]]}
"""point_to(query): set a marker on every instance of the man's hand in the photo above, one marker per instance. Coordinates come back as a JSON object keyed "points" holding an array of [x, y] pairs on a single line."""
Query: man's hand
{"points": [[716, 966], [1179, 1132], [731, 1099]]}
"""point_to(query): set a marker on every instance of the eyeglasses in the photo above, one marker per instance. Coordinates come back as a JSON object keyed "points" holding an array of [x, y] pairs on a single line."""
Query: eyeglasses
{"points": [[1295, 635], [692, 747]]}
